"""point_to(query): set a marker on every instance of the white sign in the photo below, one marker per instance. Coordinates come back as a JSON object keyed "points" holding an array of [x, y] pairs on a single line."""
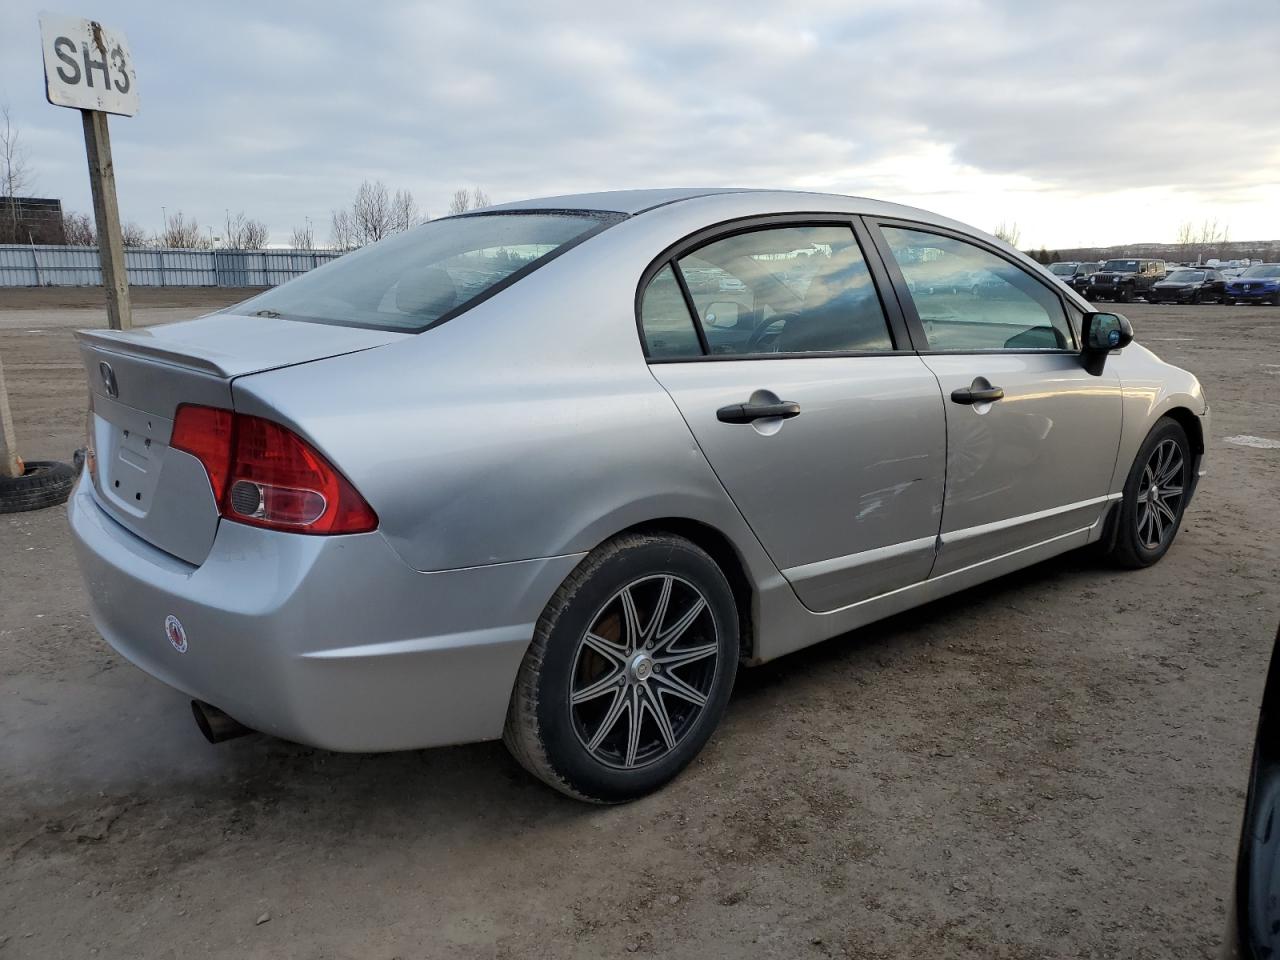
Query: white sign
{"points": [[87, 66]]}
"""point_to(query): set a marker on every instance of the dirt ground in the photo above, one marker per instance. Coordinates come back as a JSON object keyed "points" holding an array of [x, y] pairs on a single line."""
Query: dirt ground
{"points": [[1048, 766]]}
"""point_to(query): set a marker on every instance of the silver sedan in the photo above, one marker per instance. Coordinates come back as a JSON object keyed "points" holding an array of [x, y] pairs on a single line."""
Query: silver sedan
{"points": [[554, 470]]}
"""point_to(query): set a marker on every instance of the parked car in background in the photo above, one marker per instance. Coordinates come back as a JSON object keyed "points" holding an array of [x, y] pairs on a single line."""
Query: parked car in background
{"points": [[371, 510], [1080, 281], [1257, 284], [1125, 279], [1188, 285], [1074, 273]]}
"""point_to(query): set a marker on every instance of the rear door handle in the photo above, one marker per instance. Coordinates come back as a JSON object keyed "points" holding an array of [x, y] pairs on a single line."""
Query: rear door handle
{"points": [[977, 393], [750, 412]]}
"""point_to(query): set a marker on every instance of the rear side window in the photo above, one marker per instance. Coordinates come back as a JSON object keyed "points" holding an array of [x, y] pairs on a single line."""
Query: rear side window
{"points": [[786, 290], [668, 329], [416, 279]]}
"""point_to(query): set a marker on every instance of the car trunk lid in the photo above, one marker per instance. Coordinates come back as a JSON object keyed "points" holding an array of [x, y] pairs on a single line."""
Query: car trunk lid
{"points": [[138, 378]]}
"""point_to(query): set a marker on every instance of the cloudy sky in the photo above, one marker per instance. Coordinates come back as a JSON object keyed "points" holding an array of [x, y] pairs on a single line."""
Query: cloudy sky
{"points": [[1083, 122]]}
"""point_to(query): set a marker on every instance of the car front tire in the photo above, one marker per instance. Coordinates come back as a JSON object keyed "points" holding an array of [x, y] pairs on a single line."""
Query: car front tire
{"points": [[1155, 496], [629, 672]]}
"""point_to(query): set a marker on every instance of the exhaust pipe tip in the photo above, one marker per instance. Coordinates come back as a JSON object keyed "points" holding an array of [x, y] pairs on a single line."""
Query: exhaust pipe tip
{"points": [[216, 725]]}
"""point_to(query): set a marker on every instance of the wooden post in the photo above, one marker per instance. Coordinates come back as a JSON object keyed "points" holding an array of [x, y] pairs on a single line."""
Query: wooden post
{"points": [[10, 462], [102, 178]]}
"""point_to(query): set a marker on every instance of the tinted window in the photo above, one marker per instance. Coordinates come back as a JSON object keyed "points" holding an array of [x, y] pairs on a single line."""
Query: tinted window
{"points": [[969, 299], [1120, 266], [1187, 276], [409, 281], [664, 316], [786, 290]]}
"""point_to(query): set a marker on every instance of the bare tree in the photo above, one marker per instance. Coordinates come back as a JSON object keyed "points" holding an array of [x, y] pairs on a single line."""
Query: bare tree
{"points": [[464, 200], [1202, 239], [404, 212], [373, 214], [132, 235], [16, 177], [244, 233], [181, 232], [1186, 234], [1010, 233], [304, 238], [79, 230]]}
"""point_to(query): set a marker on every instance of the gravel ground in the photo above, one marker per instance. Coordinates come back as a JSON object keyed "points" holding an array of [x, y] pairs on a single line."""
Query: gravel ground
{"points": [[1051, 765]]}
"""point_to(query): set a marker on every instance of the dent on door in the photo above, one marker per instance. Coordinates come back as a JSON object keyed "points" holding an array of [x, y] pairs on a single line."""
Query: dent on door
{"points": [[846, 494]]}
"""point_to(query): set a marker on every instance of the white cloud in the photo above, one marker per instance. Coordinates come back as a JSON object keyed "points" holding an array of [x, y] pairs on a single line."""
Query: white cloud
{"points": [[1083, 122]]}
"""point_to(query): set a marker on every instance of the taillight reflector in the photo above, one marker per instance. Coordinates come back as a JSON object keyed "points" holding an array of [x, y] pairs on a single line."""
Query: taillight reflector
{"points": [[265, 475]]}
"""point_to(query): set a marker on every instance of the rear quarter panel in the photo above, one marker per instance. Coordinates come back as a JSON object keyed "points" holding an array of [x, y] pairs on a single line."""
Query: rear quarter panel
{"points": [[528, 427]]}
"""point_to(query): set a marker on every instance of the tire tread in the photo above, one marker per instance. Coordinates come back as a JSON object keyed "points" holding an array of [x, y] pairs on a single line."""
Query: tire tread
{"points": [[46, 483], [521, 732]]}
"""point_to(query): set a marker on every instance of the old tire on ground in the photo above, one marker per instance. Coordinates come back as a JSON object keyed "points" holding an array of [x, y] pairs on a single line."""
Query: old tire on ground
{"points": [[1155, 496], [645, 628], [45, 483]]}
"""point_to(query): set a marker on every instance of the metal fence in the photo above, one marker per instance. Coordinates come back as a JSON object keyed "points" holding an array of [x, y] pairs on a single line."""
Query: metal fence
{"points": [[51, 266]]}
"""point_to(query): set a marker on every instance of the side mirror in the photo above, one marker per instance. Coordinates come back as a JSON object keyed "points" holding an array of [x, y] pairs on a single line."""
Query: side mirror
{"points": [[1104, 332], [722, 313]]}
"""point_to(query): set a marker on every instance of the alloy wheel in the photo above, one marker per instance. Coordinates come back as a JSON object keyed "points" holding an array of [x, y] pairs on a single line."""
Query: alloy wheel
{"points": [[1160, 494], [644, 671]]}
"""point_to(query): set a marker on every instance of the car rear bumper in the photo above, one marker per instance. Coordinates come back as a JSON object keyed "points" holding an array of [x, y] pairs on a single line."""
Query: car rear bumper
{"points": [[329, 641]]}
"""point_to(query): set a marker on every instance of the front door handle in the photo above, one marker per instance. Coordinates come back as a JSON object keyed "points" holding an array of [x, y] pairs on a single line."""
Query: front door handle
{"points": [[750, 412], [980, 391]]}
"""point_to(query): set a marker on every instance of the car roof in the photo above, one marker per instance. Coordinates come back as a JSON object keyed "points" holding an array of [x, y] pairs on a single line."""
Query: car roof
{"points": [[634, 202]]}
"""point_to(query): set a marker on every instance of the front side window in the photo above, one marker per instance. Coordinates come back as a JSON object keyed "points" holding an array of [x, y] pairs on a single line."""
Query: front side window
{"points": [[971, 299], [786, 290], [410, 281]]}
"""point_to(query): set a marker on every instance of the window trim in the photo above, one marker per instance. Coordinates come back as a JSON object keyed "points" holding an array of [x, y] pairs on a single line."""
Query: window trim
{"points": [[907, 303], [895, 323]]}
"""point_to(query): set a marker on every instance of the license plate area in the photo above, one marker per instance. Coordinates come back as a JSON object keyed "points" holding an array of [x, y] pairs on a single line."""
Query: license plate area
{"points": [[131, 447]]}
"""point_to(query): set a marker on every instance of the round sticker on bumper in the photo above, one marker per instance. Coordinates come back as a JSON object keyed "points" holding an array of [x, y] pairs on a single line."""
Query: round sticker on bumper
{"points": [[176, 634]]}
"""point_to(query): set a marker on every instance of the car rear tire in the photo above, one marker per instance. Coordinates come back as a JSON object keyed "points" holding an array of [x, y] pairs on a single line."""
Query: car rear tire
{"points": [[646, 627], [1155, 496], [44, 483]]}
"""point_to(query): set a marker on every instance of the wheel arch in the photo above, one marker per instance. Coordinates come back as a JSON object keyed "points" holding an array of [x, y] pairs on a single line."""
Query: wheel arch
{"points": [[727, 557], [1190, 423]]}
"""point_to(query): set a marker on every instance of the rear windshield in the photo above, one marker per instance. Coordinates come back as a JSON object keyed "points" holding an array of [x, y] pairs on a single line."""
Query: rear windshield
{"points": [[426, 275]]}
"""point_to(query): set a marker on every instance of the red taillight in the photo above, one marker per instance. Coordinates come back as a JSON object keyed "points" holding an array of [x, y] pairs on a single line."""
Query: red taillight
{"points": [[265, 475], [205, 433]]}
